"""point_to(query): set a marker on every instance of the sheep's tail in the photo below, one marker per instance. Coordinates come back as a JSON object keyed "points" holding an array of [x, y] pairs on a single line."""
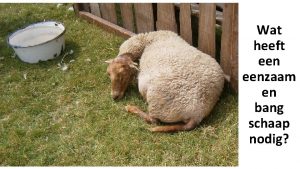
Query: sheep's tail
{"points": [[192, 124]]}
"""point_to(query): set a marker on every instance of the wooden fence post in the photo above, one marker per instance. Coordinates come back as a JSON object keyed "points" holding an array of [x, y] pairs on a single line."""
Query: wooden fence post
{"points": [[166, 17], [185, 22], [144, 17], [127, 16], [86, 7], [207, 24], [76, 7], [95, 9], [229, 44], [166, 20], [108, 12]]}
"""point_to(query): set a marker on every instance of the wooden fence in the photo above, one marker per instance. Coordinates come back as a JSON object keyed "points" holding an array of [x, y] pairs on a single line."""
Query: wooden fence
{"points": [[127, 19]]}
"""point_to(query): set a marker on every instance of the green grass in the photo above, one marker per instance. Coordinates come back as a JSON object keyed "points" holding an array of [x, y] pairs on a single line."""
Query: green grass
{"points": [[56, 117]]}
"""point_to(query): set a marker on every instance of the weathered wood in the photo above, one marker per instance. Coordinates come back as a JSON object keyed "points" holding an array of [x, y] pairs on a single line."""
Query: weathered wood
{"points": [[229, 44], [95, 9], [207, 22], [108, 26], [226, 40], [195, 11], [166, 17], [219, 6], [144, 17], [86, 7], [185, 23], [76, 8], [234, 62], [108, 12], [127, 16]]}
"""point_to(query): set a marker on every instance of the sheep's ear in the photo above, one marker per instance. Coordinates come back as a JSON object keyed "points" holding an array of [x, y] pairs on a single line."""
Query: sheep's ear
{"points": [[109, 61], [130, 55], [134, 65]]}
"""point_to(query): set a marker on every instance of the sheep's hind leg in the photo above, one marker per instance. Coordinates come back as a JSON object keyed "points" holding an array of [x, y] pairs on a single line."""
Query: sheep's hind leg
{"points": [[143, 115], [190, 125]]}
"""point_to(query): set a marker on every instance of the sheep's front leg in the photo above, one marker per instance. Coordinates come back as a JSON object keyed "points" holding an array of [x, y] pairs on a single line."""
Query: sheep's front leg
{"points": [[143, 115]]}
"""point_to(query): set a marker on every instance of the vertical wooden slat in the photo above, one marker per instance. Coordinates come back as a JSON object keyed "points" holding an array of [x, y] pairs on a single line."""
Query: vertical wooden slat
{"points": [[95, 9], [76, 8], [108, 12], [226, 39], [127, 16], [185, 22], [207, 22], [166, 17], [86, 7], [144, 17], [229, 43]]}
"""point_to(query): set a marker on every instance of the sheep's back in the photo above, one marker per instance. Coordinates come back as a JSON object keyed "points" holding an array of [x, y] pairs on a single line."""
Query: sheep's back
{"points": [[180, 81]]}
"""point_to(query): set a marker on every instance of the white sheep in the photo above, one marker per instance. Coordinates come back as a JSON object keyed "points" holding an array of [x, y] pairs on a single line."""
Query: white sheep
{"points": [[180, 83]]}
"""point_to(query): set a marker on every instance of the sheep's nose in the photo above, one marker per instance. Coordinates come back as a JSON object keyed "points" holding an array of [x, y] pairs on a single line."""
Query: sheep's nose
{"points": [[115, 97]]}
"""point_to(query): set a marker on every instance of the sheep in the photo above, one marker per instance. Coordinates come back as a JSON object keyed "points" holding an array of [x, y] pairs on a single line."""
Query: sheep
{"points": [[180, 84]]}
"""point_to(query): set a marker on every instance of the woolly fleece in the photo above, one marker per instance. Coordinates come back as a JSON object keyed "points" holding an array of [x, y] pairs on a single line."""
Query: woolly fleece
{"points": [[178, 81]]}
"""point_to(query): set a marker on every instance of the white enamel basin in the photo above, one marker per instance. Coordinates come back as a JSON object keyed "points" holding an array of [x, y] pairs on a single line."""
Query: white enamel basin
{"points": [[38, 42]]}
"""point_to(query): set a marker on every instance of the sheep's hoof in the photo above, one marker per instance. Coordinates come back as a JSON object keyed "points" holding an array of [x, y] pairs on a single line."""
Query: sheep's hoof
{"points": [[131, 109], [153, 129]]}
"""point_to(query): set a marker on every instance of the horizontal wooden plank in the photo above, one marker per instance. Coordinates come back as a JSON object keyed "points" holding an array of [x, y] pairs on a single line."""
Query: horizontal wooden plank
{"points": [[108, 26]]}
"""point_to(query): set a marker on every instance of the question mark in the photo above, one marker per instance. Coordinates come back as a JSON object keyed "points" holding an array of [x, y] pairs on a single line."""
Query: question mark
{"points": [[286, 137]]}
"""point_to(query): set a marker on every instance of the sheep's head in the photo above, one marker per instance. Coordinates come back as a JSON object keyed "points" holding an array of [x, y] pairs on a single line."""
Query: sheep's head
{"points": [[121, 71]]}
